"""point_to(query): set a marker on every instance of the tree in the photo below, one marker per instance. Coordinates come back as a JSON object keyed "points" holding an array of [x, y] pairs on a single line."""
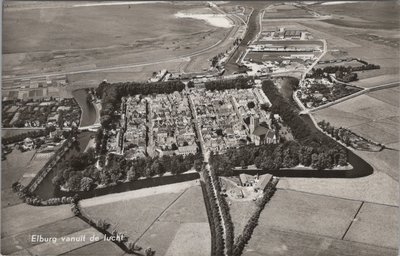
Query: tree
{"points": [[133, 247], [86, 184], [149, 252], [251, 104], [243, 164], [74, 183]]}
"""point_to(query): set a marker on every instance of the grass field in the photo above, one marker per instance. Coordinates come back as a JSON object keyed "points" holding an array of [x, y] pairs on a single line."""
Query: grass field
{"points": [[65, 39], [241, 211], [182, 229], [374, 116], [99, 248], [286, 12], [13, 168], [309, 213], [170, 218], [270, 241], [295, 223], [374, 225]]}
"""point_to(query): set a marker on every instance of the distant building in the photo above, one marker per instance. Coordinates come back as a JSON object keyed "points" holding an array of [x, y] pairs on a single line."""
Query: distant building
{"points": [[263, 181], [247, 180], [27, 144], [186, 150]]}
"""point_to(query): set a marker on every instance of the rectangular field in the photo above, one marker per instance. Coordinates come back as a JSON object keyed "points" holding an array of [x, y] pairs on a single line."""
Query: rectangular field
{"points": [[309, 213], [295, 223], [271, 241], [374, 225], [158, 217]]}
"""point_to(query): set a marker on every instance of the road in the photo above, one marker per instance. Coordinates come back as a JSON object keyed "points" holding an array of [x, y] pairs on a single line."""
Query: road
{"points": [[226, 42], [206, 156], [324, 51], [367, 90], [185, 56]]}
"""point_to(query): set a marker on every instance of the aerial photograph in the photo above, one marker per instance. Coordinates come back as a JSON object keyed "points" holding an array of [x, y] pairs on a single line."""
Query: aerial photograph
{"points": [[200, 128]]}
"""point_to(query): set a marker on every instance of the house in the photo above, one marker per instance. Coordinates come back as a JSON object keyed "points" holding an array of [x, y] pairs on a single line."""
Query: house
{"points": [[263, 182], [247, 180], [27, 144], [186, 150]]}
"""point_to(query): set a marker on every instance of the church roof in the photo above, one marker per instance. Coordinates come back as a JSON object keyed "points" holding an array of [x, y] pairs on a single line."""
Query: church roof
{"points": [[260, 130]]}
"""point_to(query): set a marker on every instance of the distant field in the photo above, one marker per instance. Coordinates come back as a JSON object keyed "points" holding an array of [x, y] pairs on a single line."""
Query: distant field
{"points": [[383, 13], [352, 64], [5, 133], [85, 38], [373, 116], [374, 77], [286, 12]]}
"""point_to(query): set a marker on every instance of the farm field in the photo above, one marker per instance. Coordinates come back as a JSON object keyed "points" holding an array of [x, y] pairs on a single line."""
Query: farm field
{"points": [[13, 168], [100, 40], [368, 79], [374, 115], [99, 248], [307, 224], [286, 242], [20, 222], [309, 213], [241, 211], [375, 230], [165, 217], [286, 12]]}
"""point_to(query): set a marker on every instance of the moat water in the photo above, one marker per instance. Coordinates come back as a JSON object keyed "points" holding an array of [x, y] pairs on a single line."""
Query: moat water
{"points": [[47, 190]]}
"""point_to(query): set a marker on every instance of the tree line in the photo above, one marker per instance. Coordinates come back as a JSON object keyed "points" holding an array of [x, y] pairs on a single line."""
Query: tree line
{"points": [[215, 218], [29, 134], [243, 238], [311, 148], [81, 173], [225, 84], [342, 72]]}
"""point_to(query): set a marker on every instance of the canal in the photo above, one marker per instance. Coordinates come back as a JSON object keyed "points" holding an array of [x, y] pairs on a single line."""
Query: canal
{"points": [[88, 116], [46, 189], [360, 167]]}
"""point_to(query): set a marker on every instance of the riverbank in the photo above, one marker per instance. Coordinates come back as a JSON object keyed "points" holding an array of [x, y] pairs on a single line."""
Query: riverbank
{"points": [[89, 112]]}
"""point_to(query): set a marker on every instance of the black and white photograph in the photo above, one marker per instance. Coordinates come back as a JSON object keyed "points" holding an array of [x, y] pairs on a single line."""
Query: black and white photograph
{"points": [[200, 128]]}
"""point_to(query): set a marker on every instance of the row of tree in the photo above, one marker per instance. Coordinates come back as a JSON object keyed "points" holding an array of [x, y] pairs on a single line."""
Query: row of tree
{"points": [[29, 134], [31, 199], [225, 84], [229, 228], [276, 156], [311, 148], [243, 238], [341, 70], [216, 218], [81, 174]]}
